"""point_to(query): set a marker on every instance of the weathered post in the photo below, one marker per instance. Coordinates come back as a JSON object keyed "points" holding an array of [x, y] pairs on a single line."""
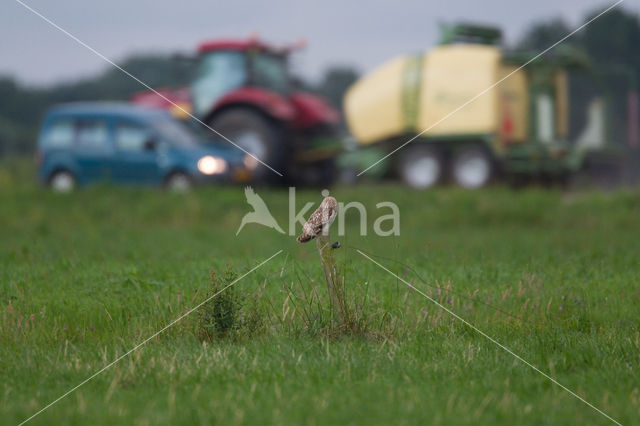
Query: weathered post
{"points": [[318, 227], [332, 276]]}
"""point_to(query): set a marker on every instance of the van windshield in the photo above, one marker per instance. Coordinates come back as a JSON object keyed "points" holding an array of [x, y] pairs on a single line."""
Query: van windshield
{"points": [[176, 133]]}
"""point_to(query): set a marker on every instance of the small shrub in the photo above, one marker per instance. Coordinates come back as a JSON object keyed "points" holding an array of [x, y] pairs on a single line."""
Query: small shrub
{"points": [[253, 318], [219, 316], [224, 316]]}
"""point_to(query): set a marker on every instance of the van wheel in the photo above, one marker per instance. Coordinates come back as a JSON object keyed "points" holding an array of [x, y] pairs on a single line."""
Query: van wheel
{"points": [[421, 167], [178, 182], [472, 167], [62, 181]]}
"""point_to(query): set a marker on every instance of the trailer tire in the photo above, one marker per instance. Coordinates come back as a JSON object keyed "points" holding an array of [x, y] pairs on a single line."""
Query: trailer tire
{"points": [[421, 166], [472, 167]]}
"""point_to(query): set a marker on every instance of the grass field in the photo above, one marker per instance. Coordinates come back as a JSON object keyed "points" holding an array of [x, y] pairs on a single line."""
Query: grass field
{"points": [[86, 276]]}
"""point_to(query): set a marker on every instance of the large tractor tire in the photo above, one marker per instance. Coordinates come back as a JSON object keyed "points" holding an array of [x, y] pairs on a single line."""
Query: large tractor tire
{"points": [[472, 167], [421, 166], [257, 135], [318, 174]]}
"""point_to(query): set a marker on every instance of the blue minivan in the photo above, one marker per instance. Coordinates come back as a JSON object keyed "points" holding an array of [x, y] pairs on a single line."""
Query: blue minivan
{"points": [[81, 143]]}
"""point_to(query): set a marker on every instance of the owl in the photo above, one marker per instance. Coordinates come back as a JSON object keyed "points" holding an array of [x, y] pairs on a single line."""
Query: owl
{"points": [[321, 218]]}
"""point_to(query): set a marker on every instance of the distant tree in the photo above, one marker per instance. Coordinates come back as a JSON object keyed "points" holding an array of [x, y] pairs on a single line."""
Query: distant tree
{"points": [[155, 70], [335, 83], [614, 38], [22, 108], [14, 138], [20, 112], [611, 40], [613, 43], [544, 34]]}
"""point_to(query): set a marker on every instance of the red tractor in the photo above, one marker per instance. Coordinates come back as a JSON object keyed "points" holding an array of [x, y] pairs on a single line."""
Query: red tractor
{"points": [[243, 89]]}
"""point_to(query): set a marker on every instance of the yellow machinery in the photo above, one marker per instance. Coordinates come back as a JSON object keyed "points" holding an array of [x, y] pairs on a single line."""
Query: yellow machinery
{"points": [[469, 121], [440, 81]]}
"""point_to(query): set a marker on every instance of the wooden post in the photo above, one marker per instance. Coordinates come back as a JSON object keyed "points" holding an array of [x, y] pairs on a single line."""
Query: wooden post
{"points": [[317, 226], [331, 274]]}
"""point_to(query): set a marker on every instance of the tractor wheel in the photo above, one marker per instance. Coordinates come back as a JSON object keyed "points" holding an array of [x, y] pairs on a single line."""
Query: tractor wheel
{"points": [[472, 167], [257, 135], [319, 174], [421, 166]]}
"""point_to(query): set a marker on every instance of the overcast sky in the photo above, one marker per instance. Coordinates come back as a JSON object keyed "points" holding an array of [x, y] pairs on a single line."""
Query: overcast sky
{"points": [[359, 33]]}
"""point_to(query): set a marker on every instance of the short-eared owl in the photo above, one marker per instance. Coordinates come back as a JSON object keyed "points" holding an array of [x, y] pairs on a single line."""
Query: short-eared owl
{"points": [[321, 218]]}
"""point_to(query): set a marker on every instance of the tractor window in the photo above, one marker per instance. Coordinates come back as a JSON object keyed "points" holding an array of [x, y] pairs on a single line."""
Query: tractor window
{"points": [[219, 72], [270, 72]]}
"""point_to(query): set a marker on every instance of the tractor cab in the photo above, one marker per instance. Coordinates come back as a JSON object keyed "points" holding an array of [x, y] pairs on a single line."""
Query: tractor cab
{"points": [[243, 90], [224, 66]]}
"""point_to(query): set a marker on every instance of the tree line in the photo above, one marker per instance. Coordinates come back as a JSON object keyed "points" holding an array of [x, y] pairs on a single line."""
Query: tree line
{"points": [[613, 39]]}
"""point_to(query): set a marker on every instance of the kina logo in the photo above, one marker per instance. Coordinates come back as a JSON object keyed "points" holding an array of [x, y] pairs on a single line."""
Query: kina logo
{"points": [[260, 214]]}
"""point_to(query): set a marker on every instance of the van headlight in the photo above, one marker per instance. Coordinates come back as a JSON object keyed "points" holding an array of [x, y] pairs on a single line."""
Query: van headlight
{"points": [[210, 165], [250, 161]]}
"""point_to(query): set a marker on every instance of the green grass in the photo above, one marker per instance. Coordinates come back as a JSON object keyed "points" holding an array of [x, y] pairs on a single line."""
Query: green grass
{"points": [[84, 277]]}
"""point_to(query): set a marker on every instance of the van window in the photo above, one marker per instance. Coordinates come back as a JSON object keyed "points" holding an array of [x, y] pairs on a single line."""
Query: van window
{"points": [[59, 134], [91, 134], [130, 137], [175, 133]]}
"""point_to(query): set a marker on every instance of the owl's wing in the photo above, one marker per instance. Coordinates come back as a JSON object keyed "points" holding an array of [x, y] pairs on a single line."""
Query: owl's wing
{"points": [[329, 220], [324, 215], [318, 221]]}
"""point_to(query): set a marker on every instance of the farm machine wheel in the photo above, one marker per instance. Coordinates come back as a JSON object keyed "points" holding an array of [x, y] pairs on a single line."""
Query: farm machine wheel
{"points": [[421, 166], [472, 167], [258, 136]]}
